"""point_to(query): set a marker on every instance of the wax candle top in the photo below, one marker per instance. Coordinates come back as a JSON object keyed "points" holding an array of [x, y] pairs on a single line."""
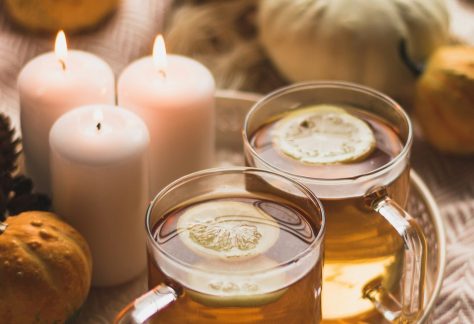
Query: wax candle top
{"points": [[56, 74], [180, 77], [99, 135], [46, 71]]}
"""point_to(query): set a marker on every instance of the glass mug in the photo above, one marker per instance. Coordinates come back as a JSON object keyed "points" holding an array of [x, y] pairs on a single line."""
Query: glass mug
{"points": [[237, 245], [374, 251]]}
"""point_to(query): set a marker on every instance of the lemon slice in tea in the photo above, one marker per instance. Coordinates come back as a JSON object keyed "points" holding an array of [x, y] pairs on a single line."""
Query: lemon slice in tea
{"points": [[228, 288], [324, 134], [227, 230]]}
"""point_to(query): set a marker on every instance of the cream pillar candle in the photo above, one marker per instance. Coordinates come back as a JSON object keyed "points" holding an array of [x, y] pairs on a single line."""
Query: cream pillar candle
{"points": [[50, 85], [175, 97], [100, 186]]}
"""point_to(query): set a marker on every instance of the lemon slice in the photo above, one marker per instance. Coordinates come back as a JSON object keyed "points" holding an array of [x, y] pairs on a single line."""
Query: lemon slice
{"points": [[324, 134], [230, 289], [227, 229]]}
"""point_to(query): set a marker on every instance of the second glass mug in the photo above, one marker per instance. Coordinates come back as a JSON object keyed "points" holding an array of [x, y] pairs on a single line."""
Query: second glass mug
{"points": [[375, 253], [237, 245]]}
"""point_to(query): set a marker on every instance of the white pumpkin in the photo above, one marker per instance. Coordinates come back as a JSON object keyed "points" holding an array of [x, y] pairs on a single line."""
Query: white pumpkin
{"points": [[352, 40]]}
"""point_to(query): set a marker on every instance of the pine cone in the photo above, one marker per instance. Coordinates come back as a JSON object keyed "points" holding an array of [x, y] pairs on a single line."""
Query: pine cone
{"points": [[3, 205], [21, 185], [9, 150], [6, 183], [27, 202], [16, 192]]}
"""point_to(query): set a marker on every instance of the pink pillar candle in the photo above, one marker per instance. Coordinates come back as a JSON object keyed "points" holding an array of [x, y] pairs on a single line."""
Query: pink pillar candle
{"points": [[174, 95], [99, 173], [50, 85]]}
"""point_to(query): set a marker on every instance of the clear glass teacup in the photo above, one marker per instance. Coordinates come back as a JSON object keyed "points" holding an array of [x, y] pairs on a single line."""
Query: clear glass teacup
{"points": [[350, 145], [237, 245]]}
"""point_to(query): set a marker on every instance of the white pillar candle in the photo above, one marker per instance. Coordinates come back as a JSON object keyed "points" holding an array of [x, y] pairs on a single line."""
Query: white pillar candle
{"points": [[100, 186], [175, 97], [49, 85]]}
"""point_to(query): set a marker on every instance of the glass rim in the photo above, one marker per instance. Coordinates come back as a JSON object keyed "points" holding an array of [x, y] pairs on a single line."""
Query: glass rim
{"points": [[234, 170], [336, 85]]}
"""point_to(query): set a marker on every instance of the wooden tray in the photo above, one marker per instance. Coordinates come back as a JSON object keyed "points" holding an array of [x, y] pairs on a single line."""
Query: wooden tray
{"points": [[104, 303]]}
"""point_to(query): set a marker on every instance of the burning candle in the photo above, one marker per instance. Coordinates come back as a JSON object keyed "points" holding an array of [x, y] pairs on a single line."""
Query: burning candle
{"points": [[99, 172], [49, 85], [175, 97]]}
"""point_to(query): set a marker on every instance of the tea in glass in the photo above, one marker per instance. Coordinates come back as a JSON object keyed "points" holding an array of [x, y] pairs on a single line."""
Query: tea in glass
{"points": [[360, 247], [237, 246], [343, 141]]}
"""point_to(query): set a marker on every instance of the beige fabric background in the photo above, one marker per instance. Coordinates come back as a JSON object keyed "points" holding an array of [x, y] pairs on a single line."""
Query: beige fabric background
{"points": [[129, 34]]}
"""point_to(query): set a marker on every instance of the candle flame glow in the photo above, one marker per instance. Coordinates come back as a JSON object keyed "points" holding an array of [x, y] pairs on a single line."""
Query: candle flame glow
{"points": [[98, 118], [60, 48], [159, 55]]}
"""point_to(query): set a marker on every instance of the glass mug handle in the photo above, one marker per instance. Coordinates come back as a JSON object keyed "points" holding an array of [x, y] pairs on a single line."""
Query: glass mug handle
{"points": [[412, 285], [145, 306]]}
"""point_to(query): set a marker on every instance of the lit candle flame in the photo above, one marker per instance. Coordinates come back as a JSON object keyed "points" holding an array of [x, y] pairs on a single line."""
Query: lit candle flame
{"points": [[98, 118], [60, 48], [159, 55]]}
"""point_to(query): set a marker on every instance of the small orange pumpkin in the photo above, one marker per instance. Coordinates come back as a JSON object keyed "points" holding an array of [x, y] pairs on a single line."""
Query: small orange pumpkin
{"points": [[52, 15], [444, 103], [45, 269]]}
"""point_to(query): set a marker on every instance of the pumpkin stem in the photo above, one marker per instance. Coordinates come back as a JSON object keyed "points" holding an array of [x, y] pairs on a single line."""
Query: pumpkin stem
{"points": [[415, 68], [3, 227]]}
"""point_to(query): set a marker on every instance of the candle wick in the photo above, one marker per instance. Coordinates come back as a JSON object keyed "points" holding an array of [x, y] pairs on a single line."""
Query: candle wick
{"points": [[63, 65], [99, 126], [162, 73]]}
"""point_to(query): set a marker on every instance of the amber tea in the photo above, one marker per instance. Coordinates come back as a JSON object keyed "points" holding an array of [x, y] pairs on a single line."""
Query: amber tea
{"points": [[333, 142], [228, 254]]}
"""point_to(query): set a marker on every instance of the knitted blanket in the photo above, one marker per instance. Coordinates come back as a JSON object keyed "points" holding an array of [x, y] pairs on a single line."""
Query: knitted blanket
{"points": [[129, 34]]}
